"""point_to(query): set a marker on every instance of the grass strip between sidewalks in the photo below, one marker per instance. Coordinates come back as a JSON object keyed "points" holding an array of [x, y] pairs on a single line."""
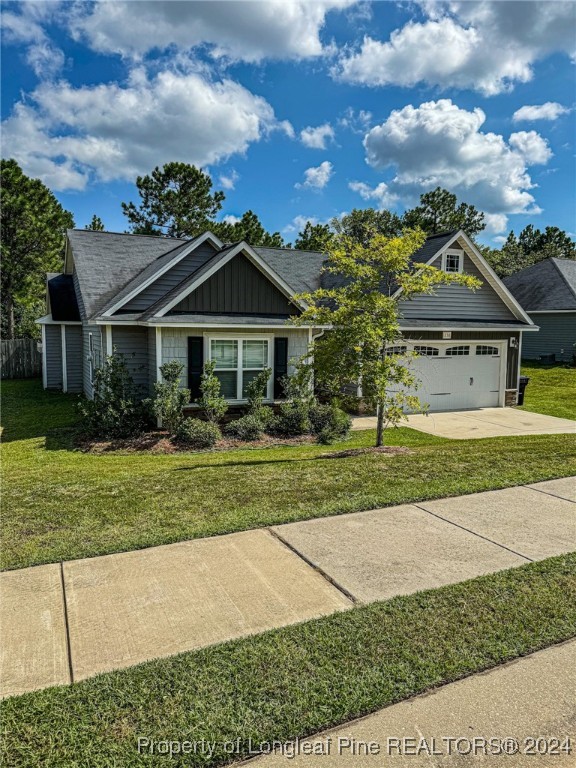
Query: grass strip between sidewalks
{"points": [[297, 680]]}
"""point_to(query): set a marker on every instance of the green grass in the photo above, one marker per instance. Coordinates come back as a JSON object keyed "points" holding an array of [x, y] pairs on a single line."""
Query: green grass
{"points": [[297, 680], [551, 390], [61, 504]]}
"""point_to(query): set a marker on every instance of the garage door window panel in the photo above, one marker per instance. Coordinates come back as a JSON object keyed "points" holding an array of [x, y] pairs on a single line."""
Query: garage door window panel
{"points": [[427, 351], [458, 351], [487, 351]]}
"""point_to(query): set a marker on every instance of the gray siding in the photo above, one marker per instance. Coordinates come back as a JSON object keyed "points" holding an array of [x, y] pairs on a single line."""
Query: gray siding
{"points": [[53, 356], [455, 302], [98, 354], [74, 357], [556, 336], [170, 279], [133, 344], [151, 359], [238, 288], [511, 352]]}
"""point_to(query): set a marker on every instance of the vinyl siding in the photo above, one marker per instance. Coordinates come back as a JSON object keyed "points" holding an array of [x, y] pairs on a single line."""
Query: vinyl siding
{"points": [[152, 364], [99, 351], [74, 357], [53, 340], [175, 343], [237, 288], [132, 342], [170, 279], [455, 302], [557, 336], [511, 352]]}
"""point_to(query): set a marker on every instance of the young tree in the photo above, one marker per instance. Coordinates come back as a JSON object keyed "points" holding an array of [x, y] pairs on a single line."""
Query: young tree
{"points": [[362, 313], [96, 225], [176, 201], [248, 228], [314, 237], [169, 398], [438, 212], [212, 402], [33, 226]]}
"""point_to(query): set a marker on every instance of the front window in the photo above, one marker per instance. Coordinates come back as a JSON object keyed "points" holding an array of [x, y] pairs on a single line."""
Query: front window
{"points": [[237, 363]]}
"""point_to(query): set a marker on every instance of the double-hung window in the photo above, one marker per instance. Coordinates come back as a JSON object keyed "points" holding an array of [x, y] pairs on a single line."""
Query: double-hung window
{"points": [[237, 362]]}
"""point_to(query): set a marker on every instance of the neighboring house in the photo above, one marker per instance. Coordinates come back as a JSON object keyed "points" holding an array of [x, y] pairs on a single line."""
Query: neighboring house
{"points": [[547, 291], [156, 299]]}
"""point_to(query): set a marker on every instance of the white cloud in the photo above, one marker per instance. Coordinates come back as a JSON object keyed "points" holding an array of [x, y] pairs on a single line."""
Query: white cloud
{"points": [[318, 177], [229, 181], [316, 138], [64, 134], [485, 46], [247, 31], [231, 219], [551, 110], [356, 121], [298, 223], [381, 193], [26, 28], [495, 222], [439, 144]]}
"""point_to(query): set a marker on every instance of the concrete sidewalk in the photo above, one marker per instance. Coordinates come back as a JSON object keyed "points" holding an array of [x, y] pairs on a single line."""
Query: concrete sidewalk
{"points": [[531, 699], [66, 622], [483, 422]]}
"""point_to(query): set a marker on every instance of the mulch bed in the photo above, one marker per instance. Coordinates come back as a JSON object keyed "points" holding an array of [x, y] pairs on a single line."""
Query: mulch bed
{"points": [[390, 449]]}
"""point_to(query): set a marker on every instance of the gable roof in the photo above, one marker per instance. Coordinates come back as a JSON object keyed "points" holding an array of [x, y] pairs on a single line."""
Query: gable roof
{"points": [[549, 285]]}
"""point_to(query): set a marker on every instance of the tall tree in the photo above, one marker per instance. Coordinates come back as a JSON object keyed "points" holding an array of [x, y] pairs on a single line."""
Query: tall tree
{"points": [[439, 212], [314, 237], [96, 225], [176, 201], [529, 247], [247, 228], [361, 224], [362, 345], [33, 226]]}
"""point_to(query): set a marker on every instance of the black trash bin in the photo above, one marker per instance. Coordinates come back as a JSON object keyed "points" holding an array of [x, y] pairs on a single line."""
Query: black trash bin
{"points": [[522, 384]]}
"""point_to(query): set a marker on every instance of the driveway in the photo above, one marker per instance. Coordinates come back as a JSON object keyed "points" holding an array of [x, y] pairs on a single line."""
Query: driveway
{"points": [[482, 422]]}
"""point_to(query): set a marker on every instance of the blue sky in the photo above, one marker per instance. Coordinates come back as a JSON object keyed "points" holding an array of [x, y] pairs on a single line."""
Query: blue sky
{"points": [[298, 110]]}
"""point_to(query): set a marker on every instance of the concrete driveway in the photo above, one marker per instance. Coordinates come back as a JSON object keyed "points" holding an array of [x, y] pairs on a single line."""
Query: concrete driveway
{"points": [[483, 422]]}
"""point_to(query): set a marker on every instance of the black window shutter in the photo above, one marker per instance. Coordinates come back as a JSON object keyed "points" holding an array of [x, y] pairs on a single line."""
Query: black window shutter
{"points": [[280, 364], [195, 365]]}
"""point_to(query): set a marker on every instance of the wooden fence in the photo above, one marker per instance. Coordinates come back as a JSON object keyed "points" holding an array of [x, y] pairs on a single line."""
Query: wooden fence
{"points": [[20, 359]]}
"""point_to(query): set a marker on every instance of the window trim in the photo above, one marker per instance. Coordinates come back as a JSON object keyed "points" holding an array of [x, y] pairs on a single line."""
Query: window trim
{"points": [[453, 252], [269, 337]]}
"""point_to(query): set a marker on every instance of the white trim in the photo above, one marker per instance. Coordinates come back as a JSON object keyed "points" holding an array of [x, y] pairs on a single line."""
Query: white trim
{"points": [[91, 356], [453, 252], [242, 247], [109, 345], [47, 320], [487, 271], [193, 245], [158, 353], [44, 369], [550, 311], [268, 337], [487, 329], [519, 359], [64, 359], [237, 326]]}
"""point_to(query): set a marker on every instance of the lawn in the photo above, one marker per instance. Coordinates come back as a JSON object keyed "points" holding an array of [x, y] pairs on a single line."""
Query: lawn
{"points": [[60, 503], [551, 390], [295, 681]]}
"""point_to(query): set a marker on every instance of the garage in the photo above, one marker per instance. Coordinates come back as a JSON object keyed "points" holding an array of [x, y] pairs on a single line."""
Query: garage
{"points": [[458, 375]]}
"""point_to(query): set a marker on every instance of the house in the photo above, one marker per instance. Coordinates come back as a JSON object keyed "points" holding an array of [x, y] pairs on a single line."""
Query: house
{"points": [[155, 299], [547, 291]]}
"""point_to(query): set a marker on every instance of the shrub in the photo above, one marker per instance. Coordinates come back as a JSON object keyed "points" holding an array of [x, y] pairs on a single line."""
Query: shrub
{"points": [[116, 410], [247, 428], [212, 402], [292, 420], [169, 399], [198, 434], [329, 422], [256, 391]]}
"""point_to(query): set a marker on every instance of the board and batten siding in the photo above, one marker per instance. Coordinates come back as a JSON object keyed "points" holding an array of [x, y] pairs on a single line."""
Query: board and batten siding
{"points": [[53, 356], [170, 279], [175, 343], [132, 343], [557, 336], [237, 288], [456, 302], [74, 357]]}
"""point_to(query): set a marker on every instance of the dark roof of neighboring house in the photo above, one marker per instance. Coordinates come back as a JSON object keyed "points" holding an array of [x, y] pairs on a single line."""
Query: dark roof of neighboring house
{"points": [[63, 304], [110, 265], [549, 286]]}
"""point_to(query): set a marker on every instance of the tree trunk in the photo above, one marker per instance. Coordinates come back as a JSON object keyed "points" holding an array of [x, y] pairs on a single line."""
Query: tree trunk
{"points": [[379, 425]]}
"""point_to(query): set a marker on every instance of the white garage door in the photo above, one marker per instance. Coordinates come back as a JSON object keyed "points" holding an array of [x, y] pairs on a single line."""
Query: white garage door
{"points": [[457, 375]]}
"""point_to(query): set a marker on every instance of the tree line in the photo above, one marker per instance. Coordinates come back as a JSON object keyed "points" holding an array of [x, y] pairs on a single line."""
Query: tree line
{"points": [[177, 200]]}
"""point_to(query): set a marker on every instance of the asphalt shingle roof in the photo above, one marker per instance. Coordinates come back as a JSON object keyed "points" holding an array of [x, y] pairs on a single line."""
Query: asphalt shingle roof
{"points": [[549, 285]]}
